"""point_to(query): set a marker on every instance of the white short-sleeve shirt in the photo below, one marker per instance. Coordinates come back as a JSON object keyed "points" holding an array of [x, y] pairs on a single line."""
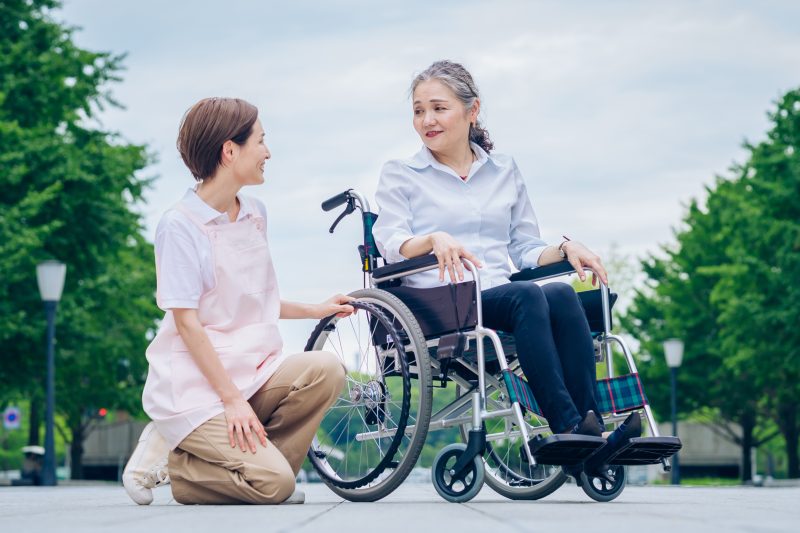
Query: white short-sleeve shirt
{"points": [[184, 264]]}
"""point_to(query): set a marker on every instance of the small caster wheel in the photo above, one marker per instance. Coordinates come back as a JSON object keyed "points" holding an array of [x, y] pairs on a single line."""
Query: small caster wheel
{"points": [[456, 488], [602, 490]]}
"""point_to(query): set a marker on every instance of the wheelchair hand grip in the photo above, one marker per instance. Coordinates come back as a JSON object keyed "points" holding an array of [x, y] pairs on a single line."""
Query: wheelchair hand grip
{"points": [[336, 201]]}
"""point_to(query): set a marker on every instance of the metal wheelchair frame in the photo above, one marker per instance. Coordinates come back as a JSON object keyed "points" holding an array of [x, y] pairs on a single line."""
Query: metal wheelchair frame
{"points": [[477, 400], [472, 409]]}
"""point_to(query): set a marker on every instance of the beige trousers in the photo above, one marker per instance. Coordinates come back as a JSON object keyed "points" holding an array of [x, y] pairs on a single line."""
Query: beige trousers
{"points": [[204, 469]]}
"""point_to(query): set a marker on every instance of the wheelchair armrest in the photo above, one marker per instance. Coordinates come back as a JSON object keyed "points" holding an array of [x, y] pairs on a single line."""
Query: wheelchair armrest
{"points": [[543, 272], [396, 270]]}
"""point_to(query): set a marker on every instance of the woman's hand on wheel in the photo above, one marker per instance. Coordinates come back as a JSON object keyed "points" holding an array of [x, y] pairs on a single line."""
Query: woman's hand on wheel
{"points": [[580, 257], [449, 253], [243, 425], [336, 304]]}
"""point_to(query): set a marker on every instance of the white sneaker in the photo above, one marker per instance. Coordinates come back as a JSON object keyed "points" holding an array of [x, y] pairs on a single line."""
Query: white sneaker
{"points": [[298, 496], [147, 467]]}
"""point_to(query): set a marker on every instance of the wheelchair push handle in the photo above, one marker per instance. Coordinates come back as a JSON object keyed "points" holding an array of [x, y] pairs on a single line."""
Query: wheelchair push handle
{"points": [[335, 201]]}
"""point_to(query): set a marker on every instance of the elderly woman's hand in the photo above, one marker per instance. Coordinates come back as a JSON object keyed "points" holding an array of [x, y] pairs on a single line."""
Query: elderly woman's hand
{"points": [[449, 253], [579, 256]]}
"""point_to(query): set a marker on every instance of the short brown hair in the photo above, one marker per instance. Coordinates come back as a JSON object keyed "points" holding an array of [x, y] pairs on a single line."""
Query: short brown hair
{"points": [[205, 128]]}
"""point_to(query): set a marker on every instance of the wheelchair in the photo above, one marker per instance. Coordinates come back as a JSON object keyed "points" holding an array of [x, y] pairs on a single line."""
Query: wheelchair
{"points": [[403, 342]]}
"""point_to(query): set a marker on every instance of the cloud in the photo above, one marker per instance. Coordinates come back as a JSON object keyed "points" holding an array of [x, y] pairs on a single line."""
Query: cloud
{"points": [[616, 112]]}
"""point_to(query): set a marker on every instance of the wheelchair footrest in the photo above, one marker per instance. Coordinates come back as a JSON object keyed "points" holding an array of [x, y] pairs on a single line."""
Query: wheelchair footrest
{"points": [[565, 450], [646, 451]]}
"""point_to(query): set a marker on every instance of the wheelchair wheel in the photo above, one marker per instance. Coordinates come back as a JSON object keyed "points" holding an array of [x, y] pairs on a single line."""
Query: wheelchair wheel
{"points": [[456, 489], [371, 437], [602, 490], [506, 473]]}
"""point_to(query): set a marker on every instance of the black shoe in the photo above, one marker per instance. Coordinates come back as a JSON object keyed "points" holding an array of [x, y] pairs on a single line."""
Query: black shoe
{"points": [[631, 428], [590, 425]]}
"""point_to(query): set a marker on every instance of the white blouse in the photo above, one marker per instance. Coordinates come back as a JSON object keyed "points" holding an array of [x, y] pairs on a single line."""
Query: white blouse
{"points": [[489, 213], [184, 266]]}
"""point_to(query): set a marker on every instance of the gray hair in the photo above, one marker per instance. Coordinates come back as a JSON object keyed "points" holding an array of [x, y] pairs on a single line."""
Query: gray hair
{"points": [[454, 76]]}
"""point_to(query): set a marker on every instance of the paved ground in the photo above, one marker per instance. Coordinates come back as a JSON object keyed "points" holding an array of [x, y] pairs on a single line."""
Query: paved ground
{"points": [[411, 509]]}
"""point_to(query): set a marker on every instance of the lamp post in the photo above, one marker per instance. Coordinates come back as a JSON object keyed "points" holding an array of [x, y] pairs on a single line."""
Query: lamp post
{"points": [[50, 276], [673, 351]]}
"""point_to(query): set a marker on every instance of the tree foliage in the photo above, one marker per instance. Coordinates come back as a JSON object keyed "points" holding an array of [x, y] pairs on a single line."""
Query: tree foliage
{"points": [[68, 191], [729, 289]]}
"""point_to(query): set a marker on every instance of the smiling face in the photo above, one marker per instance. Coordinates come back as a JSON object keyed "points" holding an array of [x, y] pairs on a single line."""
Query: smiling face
{"points": [[441, 120], [250, 158]]}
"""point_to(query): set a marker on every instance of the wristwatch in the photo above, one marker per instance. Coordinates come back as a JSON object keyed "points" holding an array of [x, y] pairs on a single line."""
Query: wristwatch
{"points": [[561, 251]]}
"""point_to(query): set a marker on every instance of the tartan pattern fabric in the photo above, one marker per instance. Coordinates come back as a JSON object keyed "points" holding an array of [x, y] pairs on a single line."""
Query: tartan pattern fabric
{"points": [[614, 395], [620, 394], [519, 391]]}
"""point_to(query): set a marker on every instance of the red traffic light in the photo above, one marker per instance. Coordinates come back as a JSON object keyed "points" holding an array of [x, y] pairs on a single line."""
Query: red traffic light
{"points": [[102, 412]]}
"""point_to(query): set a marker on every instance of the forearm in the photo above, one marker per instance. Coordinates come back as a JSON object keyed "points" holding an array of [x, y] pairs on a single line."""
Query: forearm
{"points": [[294, 310], [206, 357], [416, 246]]}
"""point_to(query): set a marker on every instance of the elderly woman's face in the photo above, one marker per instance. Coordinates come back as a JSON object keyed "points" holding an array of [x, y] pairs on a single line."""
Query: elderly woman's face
{"points": [[440, 118]]}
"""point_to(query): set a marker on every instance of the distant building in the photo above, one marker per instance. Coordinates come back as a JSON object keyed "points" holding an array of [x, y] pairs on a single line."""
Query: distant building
{"points": [[704, 454], [107, 448]]}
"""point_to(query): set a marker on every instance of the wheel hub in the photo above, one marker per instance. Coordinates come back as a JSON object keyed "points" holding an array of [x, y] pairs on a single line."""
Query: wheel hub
{"points": [[369, 394]]}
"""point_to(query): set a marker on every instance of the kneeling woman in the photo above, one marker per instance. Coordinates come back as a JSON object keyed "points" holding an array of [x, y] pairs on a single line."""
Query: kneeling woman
{"points": [[455, 199], [235, 415]]}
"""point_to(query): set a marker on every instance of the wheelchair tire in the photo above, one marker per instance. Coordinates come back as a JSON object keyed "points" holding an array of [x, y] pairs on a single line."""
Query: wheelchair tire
{"points": [[601, 490], [505, 472], [388, 390], [456, 490]]}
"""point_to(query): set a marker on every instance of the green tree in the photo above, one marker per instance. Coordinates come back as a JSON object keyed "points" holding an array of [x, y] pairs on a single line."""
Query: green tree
{"points": [[726, 289], [69, 191], [759, 298]]}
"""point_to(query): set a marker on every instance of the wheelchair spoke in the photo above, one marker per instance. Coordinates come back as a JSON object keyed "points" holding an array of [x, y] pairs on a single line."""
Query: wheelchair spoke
{"points": [[375, 403], [356, 333]]}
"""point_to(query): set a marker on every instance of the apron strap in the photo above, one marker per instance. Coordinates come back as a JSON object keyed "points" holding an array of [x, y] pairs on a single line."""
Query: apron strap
{"points": [[252, 206], [191, 216]]}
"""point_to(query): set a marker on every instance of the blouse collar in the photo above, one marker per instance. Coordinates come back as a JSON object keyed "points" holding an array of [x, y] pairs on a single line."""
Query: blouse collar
{"points": [[424, 158], [207, 214]]}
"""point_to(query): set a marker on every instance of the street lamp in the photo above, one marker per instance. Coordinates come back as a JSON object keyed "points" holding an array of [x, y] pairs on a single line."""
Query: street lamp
{"points": [[673, 351], [50, 276]]}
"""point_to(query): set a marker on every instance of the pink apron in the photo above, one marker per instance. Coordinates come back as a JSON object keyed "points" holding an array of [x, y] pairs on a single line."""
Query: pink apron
{"points": [[240, 316]]}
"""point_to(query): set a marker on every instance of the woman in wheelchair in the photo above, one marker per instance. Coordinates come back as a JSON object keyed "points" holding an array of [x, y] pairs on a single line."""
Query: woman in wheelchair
{"points": [[455, 206], [457, 200]]}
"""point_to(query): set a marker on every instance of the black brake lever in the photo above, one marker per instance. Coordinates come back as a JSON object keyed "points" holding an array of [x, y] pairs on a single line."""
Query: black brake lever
{"points": [[351, 206]]}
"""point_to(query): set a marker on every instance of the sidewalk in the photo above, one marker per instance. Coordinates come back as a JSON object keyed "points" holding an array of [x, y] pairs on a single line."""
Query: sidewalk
{"points": [[412, 508]]}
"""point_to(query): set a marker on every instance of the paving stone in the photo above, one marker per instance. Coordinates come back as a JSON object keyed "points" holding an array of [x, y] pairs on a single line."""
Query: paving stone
{"points": [[410, 509]]}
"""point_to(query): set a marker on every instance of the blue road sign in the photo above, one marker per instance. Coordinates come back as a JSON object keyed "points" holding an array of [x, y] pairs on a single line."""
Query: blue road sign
{"points": [[11, 417]]}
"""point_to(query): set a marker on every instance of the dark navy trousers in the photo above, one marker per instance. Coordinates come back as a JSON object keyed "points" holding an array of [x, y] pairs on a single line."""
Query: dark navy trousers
{"points": [[554, 346]]}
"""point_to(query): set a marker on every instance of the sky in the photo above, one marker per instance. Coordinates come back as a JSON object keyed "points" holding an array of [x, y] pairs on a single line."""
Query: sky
{"points": [[618, 113]]}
